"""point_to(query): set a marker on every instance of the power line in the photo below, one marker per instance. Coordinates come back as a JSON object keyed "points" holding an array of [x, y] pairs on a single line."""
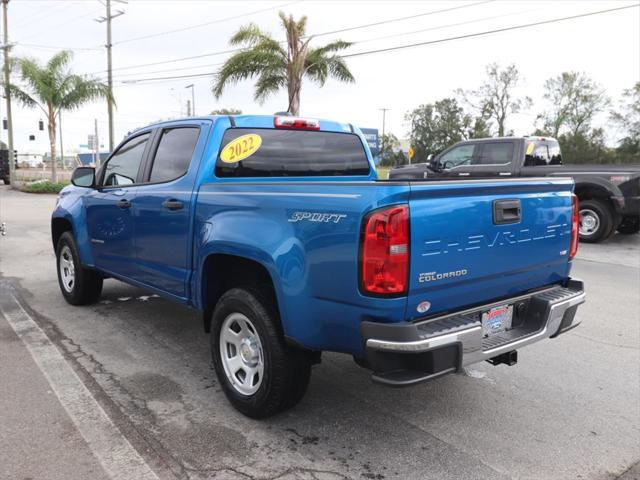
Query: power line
{"points": [[430, 42], [222, 52], [164, 62], [440, 27], [488, 32], [199, 25], [53, 47], [399, 19], [357, 42]]}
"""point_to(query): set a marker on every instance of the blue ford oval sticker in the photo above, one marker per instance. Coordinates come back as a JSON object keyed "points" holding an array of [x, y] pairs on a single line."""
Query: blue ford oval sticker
{"points": [[423, 307]]}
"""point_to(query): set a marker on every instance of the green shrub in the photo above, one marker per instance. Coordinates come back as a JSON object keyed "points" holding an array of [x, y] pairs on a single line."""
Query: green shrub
{"points": [[43, 187]]}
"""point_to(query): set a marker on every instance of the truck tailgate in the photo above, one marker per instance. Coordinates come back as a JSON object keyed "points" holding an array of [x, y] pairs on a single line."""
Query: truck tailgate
{"points": [[474, 242]]}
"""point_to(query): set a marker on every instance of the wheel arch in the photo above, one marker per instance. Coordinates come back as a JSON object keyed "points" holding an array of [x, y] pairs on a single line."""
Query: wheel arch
{"points": [[598, 189], [59, 225], [223, 271]]}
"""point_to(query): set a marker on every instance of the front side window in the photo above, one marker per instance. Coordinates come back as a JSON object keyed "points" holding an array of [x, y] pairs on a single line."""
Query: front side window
{"points": [[174, 153], [498, 153], [254, 152], [122, 167], [458, 156]]}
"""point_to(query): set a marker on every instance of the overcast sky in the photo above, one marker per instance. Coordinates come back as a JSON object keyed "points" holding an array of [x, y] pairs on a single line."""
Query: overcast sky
{"points": [[606, 47]]}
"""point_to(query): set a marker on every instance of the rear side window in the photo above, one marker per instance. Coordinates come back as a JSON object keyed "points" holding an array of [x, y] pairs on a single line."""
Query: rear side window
{"points": [[174, 153], [499, 153], [248, 152], [122, 167], [541, 153]]}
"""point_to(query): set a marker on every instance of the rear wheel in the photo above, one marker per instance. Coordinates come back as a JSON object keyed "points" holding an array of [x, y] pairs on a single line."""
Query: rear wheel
{"points": [[260, 374], [596, 221], [79, 285], [629, 225]]}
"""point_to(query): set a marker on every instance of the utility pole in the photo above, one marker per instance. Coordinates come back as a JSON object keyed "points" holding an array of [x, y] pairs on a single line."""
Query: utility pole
{"points": [[193, 99], [188, 108], [7, 94], [384, 118], [61, 147], [108, 19]]}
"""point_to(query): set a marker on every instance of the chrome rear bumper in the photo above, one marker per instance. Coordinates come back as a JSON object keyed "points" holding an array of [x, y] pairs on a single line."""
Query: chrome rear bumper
{"points": [[404, 354]]}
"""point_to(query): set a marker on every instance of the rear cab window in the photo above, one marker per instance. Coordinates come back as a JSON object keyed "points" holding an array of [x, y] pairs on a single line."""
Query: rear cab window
{"points": [[540, 153], [257, 152], [173, 156]]}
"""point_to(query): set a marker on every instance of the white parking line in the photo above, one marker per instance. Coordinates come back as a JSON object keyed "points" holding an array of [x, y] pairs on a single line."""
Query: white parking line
{"points": [[116, 455]]}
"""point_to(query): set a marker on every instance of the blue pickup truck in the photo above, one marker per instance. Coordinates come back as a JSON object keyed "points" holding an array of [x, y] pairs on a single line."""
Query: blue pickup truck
{"points": [[278, 231]]}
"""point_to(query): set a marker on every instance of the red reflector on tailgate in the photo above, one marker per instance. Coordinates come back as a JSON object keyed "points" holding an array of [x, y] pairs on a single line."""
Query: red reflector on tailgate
{"points": [[385, 251]]}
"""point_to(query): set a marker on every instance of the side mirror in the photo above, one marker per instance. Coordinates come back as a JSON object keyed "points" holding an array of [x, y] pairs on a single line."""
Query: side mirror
{"points": [[84, 177], [433, 162]]}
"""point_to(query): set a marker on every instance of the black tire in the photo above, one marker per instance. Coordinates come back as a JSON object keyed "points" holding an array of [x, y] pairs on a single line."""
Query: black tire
{"points": [[87, 284], [600, 215], [286, 369], [629, 225]]}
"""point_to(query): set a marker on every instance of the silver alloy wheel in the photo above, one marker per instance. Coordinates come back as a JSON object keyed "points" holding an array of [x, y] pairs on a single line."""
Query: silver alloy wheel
{"points": [[67, 269], [241, 353], [589, 222]]}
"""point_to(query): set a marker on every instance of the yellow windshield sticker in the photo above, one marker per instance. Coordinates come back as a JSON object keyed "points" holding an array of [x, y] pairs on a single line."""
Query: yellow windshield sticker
{"points": [[530, 148], [241, 148]]}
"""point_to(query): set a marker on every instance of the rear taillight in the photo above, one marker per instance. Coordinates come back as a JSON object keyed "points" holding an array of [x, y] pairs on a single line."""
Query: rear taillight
{"points": [[575, 227], [296, 123], [385, 251]]}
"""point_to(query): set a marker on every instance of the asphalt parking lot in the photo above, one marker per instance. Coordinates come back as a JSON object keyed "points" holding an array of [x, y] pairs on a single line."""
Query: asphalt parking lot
{"points": [[569, 409]]}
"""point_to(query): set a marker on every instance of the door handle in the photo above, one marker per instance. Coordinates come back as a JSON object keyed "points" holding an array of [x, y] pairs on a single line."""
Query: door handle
{"points": [[124, 203], [507, 211], [172, 204]]}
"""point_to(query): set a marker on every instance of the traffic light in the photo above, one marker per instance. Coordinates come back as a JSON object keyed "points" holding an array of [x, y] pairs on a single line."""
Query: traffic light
{"points": [[15, 158], [40, 125], [5, 124]]}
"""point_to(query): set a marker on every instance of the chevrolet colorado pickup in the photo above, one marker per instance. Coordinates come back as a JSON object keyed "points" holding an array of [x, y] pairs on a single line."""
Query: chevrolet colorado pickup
{"points": [[609, 195], [277, 231]]}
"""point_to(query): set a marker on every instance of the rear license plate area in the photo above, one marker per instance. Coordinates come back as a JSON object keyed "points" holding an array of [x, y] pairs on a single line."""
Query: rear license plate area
{"points": [[497, 320]]}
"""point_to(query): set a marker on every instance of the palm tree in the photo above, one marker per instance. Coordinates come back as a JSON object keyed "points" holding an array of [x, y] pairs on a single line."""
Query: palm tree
{"points": [[277, 67], [53, 88]]}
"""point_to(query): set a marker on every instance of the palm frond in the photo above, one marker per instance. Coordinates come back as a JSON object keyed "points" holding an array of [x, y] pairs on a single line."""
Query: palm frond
{"points": [[268, 83], [59, 61], [79, 90], [22, 97], [333, 47], [248, 64], [251, 35], [319, 66]]}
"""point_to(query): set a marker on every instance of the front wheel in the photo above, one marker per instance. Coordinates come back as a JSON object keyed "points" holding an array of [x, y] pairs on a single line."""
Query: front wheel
{"points": [[596, 221], [260, 374], [79, 285]]}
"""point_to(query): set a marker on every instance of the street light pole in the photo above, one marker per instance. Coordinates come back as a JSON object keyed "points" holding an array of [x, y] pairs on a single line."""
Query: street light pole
{"points": [[384, 118], [7, 93], [193, 99]]}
